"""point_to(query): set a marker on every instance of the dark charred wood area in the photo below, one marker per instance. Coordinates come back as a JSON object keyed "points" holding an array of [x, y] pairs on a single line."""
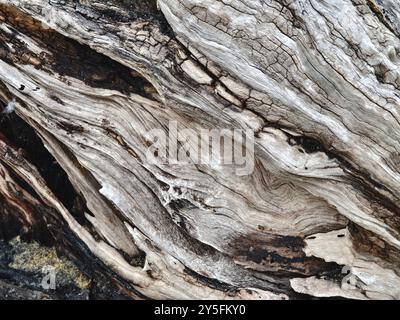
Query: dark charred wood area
{"points": [[66, 56], [45, 227]]}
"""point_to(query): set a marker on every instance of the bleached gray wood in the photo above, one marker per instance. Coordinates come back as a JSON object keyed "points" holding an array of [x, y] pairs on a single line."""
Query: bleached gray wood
{"points": [[318, 84]]}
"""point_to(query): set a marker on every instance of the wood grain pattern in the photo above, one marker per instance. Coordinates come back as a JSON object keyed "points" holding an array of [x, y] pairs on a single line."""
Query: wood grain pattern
{"points": [[316, 82]]}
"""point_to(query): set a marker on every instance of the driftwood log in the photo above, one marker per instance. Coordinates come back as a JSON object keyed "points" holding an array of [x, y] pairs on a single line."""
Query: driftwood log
{"points": [[315, 82]]}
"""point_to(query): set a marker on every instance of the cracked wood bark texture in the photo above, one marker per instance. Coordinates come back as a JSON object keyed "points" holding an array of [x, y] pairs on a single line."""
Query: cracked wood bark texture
{"points": [[317, 81]]}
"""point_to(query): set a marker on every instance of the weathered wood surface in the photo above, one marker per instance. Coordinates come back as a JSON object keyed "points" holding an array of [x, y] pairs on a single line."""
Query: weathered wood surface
{"points": [[317, 82]]}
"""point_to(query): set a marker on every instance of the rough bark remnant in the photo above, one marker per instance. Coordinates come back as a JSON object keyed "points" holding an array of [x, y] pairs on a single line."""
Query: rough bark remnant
{"points": [[82, 84]]}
